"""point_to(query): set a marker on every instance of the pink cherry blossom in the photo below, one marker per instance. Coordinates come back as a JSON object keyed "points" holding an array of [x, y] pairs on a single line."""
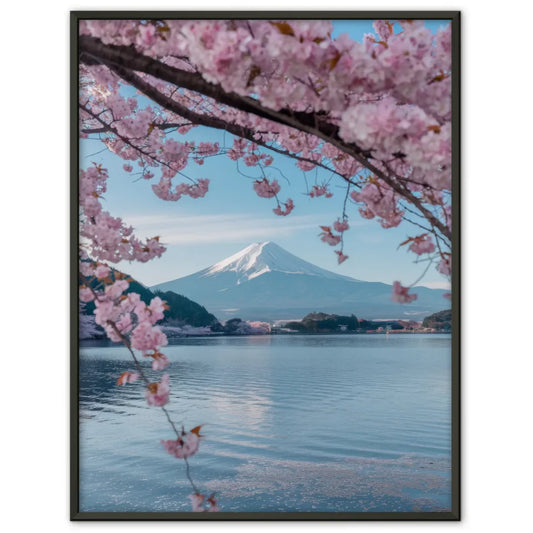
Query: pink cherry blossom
{"points": [[147, 337], [401, 294], [86, 294], [383, 29], [124, 324], [159, 362], [147, 35], [329, 237], [115, 290], [445, 265], [341, 225], [381, 201], [265, 188], [102, 271], [157, 309], [86, 269], [105, 311], [341, 257], [423, 244], [199, 190], [289, 206], [238, 150], [157, 394], [197, 501], [107, 237], [320, 190], [182, 448]]}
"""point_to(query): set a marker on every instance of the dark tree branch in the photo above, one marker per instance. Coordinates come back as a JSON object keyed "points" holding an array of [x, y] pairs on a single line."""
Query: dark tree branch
{"points": [[163, 126], [123, 58], [209, 120], [111, 129]]}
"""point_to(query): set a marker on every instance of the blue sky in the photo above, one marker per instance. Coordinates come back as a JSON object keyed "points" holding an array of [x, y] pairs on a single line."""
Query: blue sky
{"points": [[200, 232]]}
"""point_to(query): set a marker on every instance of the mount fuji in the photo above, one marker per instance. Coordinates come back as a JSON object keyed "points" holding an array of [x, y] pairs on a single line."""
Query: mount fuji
{"points": [[265, 282]]}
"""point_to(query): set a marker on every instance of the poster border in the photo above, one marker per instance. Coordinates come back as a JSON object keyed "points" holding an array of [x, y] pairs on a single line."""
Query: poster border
{"points": [[455, 513]]}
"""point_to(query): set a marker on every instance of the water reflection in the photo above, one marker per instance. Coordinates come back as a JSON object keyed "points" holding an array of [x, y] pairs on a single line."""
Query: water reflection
{"points": [[340, 423]]}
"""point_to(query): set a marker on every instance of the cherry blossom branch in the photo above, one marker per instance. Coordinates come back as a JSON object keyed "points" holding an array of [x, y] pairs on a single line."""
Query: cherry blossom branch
{"points": [[119, 56], [419, 225], [127, 343], [124, 139], [438, 238], [163, 126], [209, 121], [340, 252], [429, 263], [349, 105]]}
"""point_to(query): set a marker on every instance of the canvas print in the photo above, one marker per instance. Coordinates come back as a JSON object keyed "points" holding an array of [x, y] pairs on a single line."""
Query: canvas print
{"points": [[264, 266]]}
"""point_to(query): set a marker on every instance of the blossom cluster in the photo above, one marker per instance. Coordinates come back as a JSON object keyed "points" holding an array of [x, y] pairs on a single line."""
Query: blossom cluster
{"points": [[327, 236], [164, 190], [401, 294], [123, 315], [107, 238], [445, 265], [341, 225], [382, 106], [390, 96], [341, 257], [421, 244], [298, 65], [265, 188], [289, 206], [185, 445], [320, 190], [157, 393], [379, 201]]}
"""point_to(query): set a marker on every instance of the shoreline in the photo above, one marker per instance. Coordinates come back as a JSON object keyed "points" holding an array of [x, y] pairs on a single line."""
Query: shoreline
{"points": [[106, 342]]}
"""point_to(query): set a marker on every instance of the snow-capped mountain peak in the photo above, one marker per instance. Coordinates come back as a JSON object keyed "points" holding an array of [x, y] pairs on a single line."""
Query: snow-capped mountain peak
{"points": [[264, 281], [242, 261], [262, 257]]}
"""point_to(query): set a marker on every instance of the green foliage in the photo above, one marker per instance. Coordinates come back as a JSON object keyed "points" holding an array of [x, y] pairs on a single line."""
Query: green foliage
{"points": [[439, 321], [322, 323], [232, 325], [183, 310]]}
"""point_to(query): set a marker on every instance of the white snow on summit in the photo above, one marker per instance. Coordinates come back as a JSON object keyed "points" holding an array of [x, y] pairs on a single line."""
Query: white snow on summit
{"points": [[262, 257], [242, 261]]}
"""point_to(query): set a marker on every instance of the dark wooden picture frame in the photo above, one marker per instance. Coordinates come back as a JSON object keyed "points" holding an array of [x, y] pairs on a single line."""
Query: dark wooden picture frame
{"points": [[455, 514]]}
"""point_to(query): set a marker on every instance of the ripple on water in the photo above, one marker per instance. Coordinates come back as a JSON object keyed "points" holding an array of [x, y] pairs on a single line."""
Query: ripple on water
{"points": [[347, 423]]}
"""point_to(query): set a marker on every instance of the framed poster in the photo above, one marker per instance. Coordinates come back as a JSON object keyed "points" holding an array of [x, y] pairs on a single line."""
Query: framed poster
{"points": [[264, 323]]}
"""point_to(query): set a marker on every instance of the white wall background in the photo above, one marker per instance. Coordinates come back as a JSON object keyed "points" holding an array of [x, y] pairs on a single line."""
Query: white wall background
{"points": [[497, 298]]}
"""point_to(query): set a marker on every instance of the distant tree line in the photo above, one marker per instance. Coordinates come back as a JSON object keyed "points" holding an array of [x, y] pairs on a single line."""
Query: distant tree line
{"points": [[325, 323], [440, 321], [181, 310]]}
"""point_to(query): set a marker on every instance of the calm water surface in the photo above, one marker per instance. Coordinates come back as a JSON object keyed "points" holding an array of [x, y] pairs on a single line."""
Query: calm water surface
{"points": [[291, 423]]}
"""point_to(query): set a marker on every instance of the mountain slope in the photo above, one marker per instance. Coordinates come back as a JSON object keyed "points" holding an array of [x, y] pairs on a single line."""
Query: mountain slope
{"points": [[441, 320], [265, 282], [181, 309], [259, 258]]}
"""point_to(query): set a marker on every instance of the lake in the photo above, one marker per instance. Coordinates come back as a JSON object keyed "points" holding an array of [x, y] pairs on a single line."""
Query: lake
{"points": [[351, 423]]}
